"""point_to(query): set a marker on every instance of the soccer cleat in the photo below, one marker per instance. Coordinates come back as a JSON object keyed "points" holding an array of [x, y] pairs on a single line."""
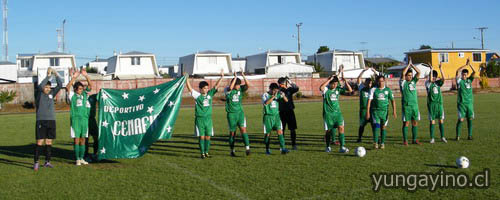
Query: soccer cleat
{"points": [[284, 151], [207, 155], [358, 141], [36, 166], [382, 146], [48, 165], [457, 139], [405, 143], [294, 147], [203, 156], [432, 141], [247, 152], [78, 163], [328, 149], [84, 162], [233, 154], [268, 151], [375, 145], [469, 138], [337, 143], [416, 142], [343, 150], [444, 140]]}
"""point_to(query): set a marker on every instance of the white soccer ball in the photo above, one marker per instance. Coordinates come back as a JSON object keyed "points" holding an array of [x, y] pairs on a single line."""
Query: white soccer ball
{"points": [[360, 151], [462, 162]]}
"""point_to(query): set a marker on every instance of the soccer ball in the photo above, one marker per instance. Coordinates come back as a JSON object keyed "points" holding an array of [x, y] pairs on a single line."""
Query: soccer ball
{"points": [[360, 151], [462, 162]]}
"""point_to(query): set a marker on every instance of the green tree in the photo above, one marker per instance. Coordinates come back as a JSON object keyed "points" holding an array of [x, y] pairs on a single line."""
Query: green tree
{"points": [[322, 49], [424, 46], [492, 69], [6, 97], [91, 69]]}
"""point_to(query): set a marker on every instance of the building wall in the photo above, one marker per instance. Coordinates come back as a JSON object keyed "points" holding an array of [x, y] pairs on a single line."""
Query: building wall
{"points": [[203, 65], [349, 61], [125, 66], [273, 59], [255, 62], [289, 70], [186, 64], [99, 66], [454, 61], [41, 64], [238, 65]]}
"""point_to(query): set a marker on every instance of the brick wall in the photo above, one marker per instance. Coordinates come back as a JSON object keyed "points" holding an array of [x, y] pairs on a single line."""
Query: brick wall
{"points": [[308, 86]]}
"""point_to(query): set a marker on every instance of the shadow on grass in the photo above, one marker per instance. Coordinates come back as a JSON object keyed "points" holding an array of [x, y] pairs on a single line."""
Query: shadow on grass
{"points": [[440, 166], [16, 163], [27, 151]]}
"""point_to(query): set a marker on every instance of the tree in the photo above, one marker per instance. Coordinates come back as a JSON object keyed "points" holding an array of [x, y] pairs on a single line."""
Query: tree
{"points": [[492, 69], [424, 46], [7, 96], [322, 49]]}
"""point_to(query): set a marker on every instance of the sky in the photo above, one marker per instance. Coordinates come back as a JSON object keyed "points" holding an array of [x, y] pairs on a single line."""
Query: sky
{"points": [[171, 29]]}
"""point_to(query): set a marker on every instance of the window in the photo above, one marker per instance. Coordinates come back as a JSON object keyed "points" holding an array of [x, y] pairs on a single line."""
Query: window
{"points": [[476, 57], [461, 54], [443, 57], [54, 62], [280, 60], [25, 63], [135, 60], [212, 60]]}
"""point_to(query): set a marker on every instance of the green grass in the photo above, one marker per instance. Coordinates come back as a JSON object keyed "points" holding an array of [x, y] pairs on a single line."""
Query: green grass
{"points": [[172, 169]]}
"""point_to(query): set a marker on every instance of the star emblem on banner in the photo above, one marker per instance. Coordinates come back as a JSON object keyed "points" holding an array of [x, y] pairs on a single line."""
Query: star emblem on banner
{"points": [[125, 95], [150, 109], [170, 104], [156, 90], [103, 150], [176, 85], [104, 96], [169, 129], [141, 98], [142, 149], [105, 124]]}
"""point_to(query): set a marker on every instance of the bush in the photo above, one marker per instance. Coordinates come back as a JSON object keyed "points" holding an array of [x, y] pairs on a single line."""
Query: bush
{"points": [[299, 95], [483, 81], [91, 69], [492, 69], [6, 97]]}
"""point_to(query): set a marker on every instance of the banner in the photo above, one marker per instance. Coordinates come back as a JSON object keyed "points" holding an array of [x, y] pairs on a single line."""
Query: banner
{"points": [[131, 120]]}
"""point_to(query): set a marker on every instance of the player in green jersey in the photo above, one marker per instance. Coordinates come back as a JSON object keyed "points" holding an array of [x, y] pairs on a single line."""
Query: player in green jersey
{"points": [[235, 115], [377, 110], [271, 118], [409, 101], [435, 101], [465, 99], [364, 93], [332, 115], [79, 113], [203, 126]]}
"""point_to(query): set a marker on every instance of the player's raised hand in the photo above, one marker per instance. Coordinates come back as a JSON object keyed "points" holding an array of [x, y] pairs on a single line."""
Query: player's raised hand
{"points": [[75, 74], [222, 72], [83, 72], [409, 61], [49, 71], [242, 72]]}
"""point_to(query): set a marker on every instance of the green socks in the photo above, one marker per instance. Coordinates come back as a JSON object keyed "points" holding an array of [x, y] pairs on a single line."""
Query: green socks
{"points": [[266, 140], [405, 133], [231, 142], [77, 151], [414, 131], [202, 146], [342, 139], [432, 130], [469, 127], [441, 129], [207, 145], [375, 135], [282, 141], [82, 151], [459, 126], [333, 134], [383, 134], [246, 140]]}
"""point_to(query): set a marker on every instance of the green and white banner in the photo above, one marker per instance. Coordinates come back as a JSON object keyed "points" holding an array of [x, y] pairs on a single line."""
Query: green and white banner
{"points": [[131, 120]]}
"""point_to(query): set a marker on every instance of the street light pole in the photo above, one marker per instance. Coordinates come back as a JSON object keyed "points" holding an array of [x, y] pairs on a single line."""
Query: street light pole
{"points": [[482, 36], [298, 35]]}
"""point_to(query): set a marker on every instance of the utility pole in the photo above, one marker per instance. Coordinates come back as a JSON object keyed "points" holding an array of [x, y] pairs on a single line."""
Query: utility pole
{"points": [[364, 50], [482, 36], [5, 33], [63, 42], [298, 35]]}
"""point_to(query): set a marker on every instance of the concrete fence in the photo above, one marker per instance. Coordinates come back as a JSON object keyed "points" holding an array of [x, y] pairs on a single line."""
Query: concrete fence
{"points": [[308, 86]]}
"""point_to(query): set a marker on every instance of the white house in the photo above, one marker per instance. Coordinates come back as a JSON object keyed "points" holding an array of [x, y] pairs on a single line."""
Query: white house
{"points": [[395, 71], [206, 63], [132, 65], [278, 63], [33, 67], [239, 63], [100, 64], [8, 72], [331, 60]]}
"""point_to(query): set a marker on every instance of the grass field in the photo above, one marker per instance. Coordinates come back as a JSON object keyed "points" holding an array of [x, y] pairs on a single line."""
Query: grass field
{"points": [[172, 169]]}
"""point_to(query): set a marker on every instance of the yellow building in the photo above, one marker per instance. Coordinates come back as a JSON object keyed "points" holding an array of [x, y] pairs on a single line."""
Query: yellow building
{"points": [[450, 59]]}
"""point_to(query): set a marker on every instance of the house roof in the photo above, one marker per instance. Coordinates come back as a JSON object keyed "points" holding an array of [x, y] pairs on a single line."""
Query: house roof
{"points": [[381, 60], [25, 55], [6, 63], [239, 58], [53, 53], [491, 54], [136, 53], [446, 50], [100, 60], [339, 51], [211, 52], [285, 64], [280, 51]]}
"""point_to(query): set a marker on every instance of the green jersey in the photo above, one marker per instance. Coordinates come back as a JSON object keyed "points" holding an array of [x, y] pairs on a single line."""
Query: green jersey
{"points": [[409, 92], [465, 91], [234, 98], [79, 104], [331, 99], [203, 107], [434, 91], [364, 95], [380, 98], [274, 107]]}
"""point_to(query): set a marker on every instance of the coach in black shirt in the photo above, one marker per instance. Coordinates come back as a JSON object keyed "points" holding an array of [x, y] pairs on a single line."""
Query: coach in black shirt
{"points": [[287, 114]]}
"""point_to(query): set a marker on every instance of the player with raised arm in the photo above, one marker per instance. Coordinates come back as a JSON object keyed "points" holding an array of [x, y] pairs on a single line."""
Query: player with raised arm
{"points": [[465, 99], [203, 125], [332, 115], [377, 110], [409, 102], [435, 102], [79, 113], [45, 131], [271, 118], [234, 108], [364, 93], [287, 113]]}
